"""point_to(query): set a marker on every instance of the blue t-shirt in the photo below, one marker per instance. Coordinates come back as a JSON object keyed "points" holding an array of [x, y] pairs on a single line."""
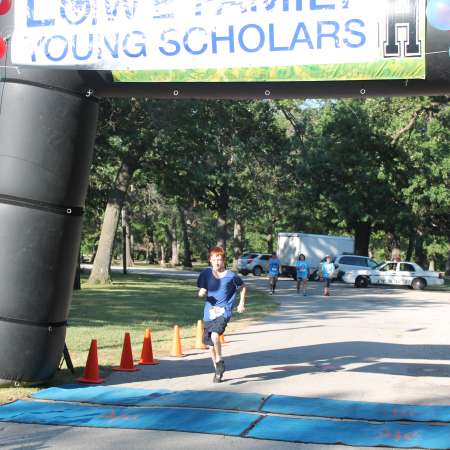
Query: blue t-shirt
{"points": [[327, 269], [221, 292], [274, 267], [302, 269]]}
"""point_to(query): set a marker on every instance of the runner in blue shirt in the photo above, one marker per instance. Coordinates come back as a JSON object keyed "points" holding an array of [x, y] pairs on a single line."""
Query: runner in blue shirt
{"points": [[274, 272], [327, 269], [302, 268], [219, 286]]}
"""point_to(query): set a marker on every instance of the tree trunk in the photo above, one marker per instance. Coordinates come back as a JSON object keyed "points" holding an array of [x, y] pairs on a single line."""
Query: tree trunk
{"points": [[124, 245], [432, 264], [419, 253], [94, 253], [128, 238], [237, 243], [187, 255], [101, 270], [222, 211], [392, 247], [410, 248], [362, 238], [175, 245], [221, 231], [270, 239], [162, 260], [151, 251], [77, 281], [171, 240], [447, 264], [131, 247]]}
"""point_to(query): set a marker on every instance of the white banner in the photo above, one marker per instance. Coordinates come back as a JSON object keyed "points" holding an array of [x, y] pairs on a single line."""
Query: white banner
{"points": [[196, 34]]}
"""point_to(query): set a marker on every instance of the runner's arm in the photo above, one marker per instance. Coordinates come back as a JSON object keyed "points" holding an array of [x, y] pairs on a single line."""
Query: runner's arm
{"points": [[241, 306]]}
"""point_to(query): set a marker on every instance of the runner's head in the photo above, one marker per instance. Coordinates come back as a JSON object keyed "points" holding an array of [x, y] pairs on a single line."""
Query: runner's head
{"points": [[301, 257], [217, 258], [216, 251]]}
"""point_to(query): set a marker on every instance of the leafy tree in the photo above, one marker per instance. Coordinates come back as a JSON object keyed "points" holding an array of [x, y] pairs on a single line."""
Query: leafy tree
{"points": [[130, 128]]}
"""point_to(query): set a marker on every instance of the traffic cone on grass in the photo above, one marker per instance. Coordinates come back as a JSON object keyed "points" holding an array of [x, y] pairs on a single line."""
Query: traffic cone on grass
{"points": [[176, 344], [126, 361], [147, 350], [91, 373], [199, 337]]}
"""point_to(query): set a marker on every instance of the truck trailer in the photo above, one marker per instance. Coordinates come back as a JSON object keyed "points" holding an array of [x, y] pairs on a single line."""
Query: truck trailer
{"points": [[314, 246]]}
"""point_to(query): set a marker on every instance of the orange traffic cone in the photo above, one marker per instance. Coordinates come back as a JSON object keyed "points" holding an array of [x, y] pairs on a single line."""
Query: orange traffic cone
{"points": [[222, 339], [147, 350], [91, 372], [176, 344], [199, 338], [126, 361]]}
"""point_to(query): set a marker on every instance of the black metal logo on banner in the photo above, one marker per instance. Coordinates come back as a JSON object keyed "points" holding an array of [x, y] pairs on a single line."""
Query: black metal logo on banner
{"points": [[403, 18]]}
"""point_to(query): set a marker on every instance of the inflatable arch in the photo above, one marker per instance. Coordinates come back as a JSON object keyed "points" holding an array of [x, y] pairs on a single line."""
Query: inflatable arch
{"points": [[58, 56]]}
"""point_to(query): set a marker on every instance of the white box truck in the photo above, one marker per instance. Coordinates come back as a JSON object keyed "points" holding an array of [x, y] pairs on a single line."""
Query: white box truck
{"points": [[314, 246]]}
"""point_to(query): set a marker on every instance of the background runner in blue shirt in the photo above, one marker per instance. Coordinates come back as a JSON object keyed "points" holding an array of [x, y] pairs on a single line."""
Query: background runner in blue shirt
{"points": [[327, 268], [302, 268], [274, 272]]}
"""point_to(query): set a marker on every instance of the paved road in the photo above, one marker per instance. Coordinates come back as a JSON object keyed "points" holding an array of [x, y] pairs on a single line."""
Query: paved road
{"points": [[377, 344]]}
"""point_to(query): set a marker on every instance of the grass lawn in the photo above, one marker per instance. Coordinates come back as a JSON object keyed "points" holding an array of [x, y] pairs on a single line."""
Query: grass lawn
{"points": [[132, 304]]}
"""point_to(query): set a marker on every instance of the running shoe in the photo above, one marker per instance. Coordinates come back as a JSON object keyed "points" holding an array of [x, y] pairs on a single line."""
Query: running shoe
{"points": [[220, 369]]}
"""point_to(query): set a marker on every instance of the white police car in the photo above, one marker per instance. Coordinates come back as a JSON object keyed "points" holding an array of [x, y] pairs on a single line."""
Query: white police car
{"points": [[399, 273]]}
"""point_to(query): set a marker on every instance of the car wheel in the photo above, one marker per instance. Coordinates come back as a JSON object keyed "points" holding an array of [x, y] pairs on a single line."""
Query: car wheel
{"points": [[361, 282], [257, 271], [314, 276], [418, 283]]}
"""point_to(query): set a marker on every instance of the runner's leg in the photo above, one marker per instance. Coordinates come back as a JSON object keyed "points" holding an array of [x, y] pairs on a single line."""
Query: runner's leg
{"points": [[213, 355], [217, 347], [219, 363]]}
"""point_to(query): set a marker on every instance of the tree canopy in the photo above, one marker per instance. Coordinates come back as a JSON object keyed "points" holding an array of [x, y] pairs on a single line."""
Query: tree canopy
{"points": [[193, 174]]}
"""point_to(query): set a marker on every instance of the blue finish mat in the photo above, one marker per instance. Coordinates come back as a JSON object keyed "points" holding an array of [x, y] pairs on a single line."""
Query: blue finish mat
{"points": [[326, 431], [318, 431], [171, 419], [107, 395], [102, 395], [278, 404], [346, 409]]}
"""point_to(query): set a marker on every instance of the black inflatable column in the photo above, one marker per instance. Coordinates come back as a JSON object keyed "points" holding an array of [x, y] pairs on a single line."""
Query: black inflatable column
{"points": [[47, 130]]}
